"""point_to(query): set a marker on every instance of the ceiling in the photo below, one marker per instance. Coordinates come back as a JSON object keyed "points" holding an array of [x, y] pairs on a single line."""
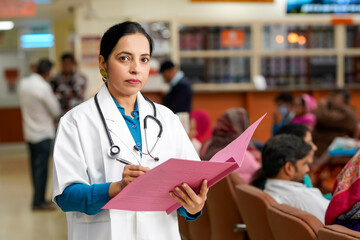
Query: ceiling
{"points": [[46, 12]]}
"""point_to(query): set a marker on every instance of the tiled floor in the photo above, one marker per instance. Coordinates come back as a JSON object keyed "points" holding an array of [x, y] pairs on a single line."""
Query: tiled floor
{"points": [[17, 220]]}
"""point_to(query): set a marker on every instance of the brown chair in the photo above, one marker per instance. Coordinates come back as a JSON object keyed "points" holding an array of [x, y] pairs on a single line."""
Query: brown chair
{"points": [[288, 222], [253, 203], [223, 212], [220, 215], [337, 232]]}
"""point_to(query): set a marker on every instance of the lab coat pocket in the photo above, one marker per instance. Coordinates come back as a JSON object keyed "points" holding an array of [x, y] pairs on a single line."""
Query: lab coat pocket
{"points": [[103, 216]]}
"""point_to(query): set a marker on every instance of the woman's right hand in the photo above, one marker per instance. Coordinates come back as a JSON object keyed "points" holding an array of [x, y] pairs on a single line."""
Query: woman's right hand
{"points": [[130, 173]]}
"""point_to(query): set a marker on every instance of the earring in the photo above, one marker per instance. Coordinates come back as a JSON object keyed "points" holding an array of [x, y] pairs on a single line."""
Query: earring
{"points": [[103, 74]]}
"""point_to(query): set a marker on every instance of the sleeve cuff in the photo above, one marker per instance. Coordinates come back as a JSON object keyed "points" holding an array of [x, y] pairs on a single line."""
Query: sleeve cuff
{"points": [[188, 216]]}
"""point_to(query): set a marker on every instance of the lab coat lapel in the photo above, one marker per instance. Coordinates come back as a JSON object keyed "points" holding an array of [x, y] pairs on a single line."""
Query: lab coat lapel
{"points": [[116, 123]]}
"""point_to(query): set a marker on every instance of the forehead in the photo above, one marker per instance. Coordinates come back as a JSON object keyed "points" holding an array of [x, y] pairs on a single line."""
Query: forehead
{"points": [[307, 158], [133, 43]]}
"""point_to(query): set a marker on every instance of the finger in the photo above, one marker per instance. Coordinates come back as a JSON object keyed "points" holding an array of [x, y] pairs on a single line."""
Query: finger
{"points": [[183, 195], [137, 168], [204, 189], [179, 200], [135, 173], [190, 192]]}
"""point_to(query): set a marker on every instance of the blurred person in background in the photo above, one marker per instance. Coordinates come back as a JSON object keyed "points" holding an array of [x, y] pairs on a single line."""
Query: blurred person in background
{"points": [[69, 85], [285, 161], [304, 133], [334, 118], [344, 207], [304, 107], [200, 128], [39, 108], [228, 127], [284, 111], [179, 96]]}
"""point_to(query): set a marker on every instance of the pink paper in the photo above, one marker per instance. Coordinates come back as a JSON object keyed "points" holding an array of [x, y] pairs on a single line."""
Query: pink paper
{"points": [[236, 149], [150, 192]]}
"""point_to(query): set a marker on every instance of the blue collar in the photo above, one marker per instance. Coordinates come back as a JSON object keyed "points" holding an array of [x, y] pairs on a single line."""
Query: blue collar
{"points": [[122, 110]]}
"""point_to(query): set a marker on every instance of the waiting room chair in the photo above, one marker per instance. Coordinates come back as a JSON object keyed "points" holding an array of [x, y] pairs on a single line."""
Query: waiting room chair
{"points": [[223, 212], [337, 232], [253, 203], [220, 215], [288, 222]]}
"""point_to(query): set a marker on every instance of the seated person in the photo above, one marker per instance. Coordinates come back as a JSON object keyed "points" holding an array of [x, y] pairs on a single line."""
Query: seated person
{"points": [[228, 127], [200, 126], [344, 207], [304, 107], [304, 133], [283, 113], [334, 118], [285, 160]]}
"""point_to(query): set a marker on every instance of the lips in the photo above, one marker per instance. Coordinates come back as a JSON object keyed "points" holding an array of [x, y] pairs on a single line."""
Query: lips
{"points": [[133, 81]]}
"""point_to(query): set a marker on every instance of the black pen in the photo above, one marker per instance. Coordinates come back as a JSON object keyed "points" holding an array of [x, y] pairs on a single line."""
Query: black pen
{"points": [[124, 161]]}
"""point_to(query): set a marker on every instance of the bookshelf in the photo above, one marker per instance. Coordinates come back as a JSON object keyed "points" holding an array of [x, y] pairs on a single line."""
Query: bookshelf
{"points": [[299, 54]]}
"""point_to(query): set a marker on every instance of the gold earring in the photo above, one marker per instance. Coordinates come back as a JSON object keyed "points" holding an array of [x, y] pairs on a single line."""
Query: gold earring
{"points": [[103, 74]]}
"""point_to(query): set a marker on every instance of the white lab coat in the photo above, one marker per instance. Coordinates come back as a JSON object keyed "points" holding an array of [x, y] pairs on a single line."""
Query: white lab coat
{"points": [[80, 156]]}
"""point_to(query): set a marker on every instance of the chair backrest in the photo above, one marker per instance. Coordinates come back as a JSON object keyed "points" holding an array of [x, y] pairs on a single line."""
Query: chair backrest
{"points": [[337, 232], [223, 212], [288, 222], [253, 203]]}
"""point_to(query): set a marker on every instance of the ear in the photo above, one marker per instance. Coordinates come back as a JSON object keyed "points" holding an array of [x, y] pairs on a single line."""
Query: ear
{"points": [[102, 63], [289, 169]]}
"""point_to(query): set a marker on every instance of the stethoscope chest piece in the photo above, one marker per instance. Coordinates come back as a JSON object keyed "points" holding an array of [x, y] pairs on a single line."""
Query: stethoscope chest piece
{"points": [[114, 151]]}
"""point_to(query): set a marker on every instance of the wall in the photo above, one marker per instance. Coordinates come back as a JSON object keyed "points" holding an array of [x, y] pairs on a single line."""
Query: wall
{"points": [[93, 18]]}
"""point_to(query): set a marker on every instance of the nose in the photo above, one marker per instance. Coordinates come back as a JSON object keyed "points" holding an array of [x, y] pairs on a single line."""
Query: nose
{"points": [[314, 147], [134, 67]]}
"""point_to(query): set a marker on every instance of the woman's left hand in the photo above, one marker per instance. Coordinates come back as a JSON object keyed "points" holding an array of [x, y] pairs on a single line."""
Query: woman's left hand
{"points": [[192, 202]]}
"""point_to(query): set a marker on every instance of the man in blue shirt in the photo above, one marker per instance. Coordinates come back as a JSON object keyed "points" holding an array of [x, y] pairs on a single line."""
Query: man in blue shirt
{"points": [[179, 96]]}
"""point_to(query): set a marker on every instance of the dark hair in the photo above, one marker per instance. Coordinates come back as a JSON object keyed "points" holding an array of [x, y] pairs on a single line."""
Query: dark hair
{"points": [[167, 64], [284, 97], [67, 56], [276, 152], [114, 33], [293, 129], [344, 93], [44, 66], [281, 149]]}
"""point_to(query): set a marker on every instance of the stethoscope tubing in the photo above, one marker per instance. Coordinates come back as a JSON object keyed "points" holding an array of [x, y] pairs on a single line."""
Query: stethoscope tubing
{"points": [[114, 150]]}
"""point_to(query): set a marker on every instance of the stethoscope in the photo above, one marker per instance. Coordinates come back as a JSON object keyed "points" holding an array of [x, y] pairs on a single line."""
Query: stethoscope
{"points": [[114, 150]]}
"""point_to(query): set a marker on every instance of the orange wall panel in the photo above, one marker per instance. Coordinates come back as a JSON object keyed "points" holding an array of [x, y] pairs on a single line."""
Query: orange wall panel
{"points": [[10, 125], [217, 103], [256, 103]]}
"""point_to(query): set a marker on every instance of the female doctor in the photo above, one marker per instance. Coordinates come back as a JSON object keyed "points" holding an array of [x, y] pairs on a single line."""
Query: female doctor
{"points": [[108, 141]]}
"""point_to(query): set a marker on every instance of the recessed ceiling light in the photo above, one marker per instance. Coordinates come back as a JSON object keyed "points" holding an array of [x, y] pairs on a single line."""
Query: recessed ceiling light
{"points": [[6, 25]]}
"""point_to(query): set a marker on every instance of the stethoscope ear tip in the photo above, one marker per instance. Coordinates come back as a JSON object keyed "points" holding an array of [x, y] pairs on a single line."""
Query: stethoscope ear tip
{"points": [[156, 159]]}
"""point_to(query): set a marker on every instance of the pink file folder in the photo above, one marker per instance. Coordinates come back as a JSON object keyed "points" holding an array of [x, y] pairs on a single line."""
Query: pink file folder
{"points": [[150, 192]]}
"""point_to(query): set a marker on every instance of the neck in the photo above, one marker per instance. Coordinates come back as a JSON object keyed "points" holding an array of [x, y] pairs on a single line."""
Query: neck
{"points": [[127, 102]]}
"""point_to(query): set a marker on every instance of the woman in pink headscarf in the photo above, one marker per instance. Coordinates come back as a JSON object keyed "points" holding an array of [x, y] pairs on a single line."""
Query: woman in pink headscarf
{"points": [[304, 107], [200, 128]]}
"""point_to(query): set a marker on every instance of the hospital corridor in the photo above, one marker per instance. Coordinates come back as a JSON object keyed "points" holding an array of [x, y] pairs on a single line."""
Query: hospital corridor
{"points": [[17, 219]]}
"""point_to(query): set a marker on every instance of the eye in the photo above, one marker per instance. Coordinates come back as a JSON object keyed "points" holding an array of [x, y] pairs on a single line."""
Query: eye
{"points": [[124, 58], [145, 60]]}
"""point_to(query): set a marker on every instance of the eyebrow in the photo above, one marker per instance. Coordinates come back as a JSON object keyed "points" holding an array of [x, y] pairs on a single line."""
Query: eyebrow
{"points": [[124, 52]]}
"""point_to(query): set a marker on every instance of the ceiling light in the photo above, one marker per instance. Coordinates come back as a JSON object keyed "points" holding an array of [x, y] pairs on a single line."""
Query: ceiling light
{"points": [[6, 25]]}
